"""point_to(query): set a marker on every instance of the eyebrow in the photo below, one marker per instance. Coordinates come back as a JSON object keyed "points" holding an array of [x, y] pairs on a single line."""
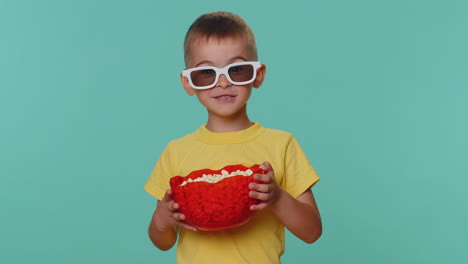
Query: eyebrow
{"points": [[231, 60]]}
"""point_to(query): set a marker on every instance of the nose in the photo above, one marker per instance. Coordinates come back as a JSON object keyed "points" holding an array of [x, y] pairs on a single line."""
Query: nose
{"points": [[223, 82]]}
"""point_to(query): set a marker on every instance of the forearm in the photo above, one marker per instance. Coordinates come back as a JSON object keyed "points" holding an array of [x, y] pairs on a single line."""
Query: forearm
{"points": [[163, 239], [302, 218]]}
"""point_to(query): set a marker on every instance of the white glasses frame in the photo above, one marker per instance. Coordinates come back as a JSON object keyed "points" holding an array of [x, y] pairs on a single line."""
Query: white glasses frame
{"points": [[256, 65]]}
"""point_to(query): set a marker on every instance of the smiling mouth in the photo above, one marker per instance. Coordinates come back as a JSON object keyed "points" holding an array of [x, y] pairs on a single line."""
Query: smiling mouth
{"points": [[223, 97]]}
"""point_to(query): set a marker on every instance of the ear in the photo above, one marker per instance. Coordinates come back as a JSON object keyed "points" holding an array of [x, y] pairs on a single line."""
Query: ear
{"points": [[185, 83], [260, 76]]}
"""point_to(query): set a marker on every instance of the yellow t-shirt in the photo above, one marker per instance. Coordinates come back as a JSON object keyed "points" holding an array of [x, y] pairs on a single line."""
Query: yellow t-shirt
{"points": [[259, 241]]}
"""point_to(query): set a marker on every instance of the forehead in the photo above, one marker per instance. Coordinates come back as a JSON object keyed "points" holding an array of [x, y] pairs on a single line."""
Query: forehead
{"points": [[217, 51]]}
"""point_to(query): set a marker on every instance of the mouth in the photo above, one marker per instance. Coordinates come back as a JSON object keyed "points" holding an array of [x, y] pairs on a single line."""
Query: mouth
{"points": [[224, 96]]}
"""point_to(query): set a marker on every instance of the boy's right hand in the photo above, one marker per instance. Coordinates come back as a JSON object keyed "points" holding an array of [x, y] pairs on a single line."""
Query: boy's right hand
{"points": [[166, 215]]}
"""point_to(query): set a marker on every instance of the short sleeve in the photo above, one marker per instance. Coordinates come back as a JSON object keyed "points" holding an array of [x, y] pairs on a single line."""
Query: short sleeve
{"points": [[299, 173], [158, 181]]}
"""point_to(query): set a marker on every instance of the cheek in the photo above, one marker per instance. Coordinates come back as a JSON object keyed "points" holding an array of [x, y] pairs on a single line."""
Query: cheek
{"points": [[203, 97], [247, 91]]}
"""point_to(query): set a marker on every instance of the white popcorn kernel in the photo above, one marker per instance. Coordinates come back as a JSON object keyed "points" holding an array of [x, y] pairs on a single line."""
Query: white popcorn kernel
{"points": [[214, 178]]}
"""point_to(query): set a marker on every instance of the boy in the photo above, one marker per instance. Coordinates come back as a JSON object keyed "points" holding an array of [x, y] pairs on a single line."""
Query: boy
{"points": [[222, 67]]}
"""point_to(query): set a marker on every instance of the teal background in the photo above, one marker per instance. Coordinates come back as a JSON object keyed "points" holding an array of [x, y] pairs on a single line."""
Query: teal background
{"points": [[374, 91]]}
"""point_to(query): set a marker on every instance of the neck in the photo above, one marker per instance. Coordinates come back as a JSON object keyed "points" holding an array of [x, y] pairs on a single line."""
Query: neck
{"points": [[220, 124]]}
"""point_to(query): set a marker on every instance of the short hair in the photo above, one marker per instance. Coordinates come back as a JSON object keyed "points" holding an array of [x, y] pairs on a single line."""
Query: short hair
{"points": [[219, 25]]}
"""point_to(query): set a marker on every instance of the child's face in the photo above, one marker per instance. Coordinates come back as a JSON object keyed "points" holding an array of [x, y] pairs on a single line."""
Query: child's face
{"points": [[224, 99]]}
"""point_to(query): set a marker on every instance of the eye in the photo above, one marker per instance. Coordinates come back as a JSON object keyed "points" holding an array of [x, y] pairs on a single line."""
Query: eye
{"points": [[207, 71], [236, 68]]}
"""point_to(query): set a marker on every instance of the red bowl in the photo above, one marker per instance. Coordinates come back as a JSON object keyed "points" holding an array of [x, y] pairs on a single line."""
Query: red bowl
{"points": [[218, 203]]}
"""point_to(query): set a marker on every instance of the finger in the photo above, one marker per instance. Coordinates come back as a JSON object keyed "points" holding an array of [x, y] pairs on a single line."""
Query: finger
{"points": [[260, 196], [187, 226], [260, 206], [172, 206], [263, 178], [178, 216], [260, 187]]}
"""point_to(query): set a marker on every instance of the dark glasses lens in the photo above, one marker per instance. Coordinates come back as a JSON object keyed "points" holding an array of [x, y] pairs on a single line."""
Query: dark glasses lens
{"points": [[241, 73], [203, 77]]}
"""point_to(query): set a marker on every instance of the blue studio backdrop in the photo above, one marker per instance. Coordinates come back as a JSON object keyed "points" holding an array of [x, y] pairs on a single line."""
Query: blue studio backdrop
{"points": [[374, 91]]}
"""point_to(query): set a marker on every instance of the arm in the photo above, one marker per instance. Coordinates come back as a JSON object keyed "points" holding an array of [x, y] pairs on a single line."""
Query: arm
{"points": [[162, 229], [300, 216], [163, 239]]}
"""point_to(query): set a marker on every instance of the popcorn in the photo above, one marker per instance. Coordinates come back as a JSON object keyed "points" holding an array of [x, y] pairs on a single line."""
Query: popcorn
{"points": [[214, 178]]}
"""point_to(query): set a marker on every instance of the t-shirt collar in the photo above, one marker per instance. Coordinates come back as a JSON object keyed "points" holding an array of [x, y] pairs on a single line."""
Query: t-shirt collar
{"points": [[236, 137]]}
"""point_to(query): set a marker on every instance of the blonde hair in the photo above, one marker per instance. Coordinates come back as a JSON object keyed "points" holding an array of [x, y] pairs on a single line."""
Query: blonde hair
{"points": [[219, 25]]}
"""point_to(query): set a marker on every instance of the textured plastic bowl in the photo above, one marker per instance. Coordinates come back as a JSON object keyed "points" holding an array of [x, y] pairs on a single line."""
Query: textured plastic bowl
{"points": [[215, 206]]}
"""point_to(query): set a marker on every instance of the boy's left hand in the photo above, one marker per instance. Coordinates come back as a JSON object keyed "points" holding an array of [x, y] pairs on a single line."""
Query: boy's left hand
{"points": [[267, 191]]}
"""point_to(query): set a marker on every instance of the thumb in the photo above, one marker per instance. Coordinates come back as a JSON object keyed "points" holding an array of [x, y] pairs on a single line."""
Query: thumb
{"points": [[266, 166], [168, 196]]}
